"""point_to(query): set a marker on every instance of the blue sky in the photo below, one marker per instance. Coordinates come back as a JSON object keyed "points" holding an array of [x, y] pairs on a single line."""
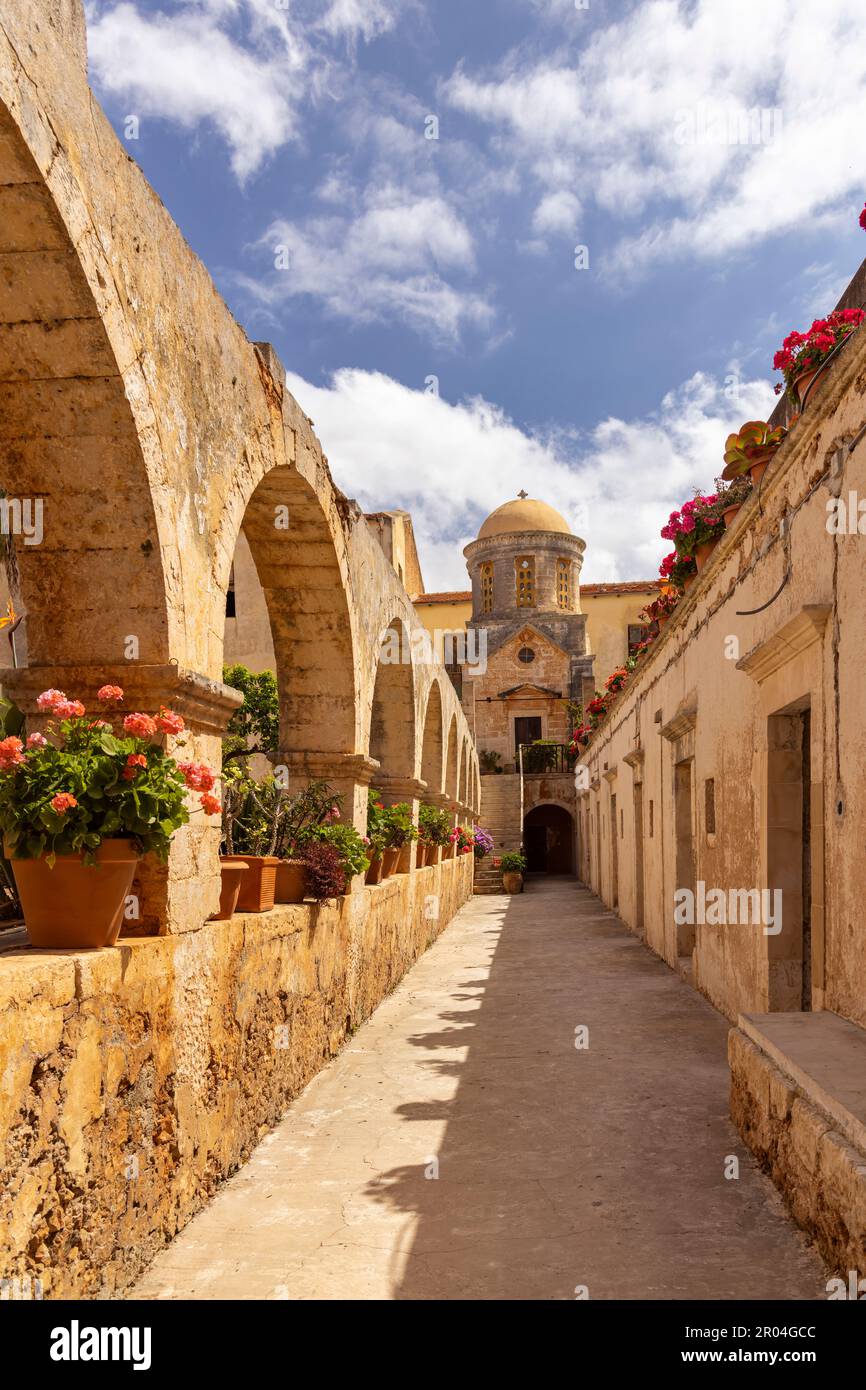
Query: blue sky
{"points": [[290, 141]]}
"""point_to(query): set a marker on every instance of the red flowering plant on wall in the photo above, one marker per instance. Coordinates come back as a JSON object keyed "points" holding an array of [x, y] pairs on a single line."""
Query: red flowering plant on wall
{"points": [[805, 352], [696, 523], [863, 218], [67, 790], [616, 680]]}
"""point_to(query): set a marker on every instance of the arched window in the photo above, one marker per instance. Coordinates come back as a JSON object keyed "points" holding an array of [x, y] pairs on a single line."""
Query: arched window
{"points": [[524, 567], [563, 584], [487, 587]]}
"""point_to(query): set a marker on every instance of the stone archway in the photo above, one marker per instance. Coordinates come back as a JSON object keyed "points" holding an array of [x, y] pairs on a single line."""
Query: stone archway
{"points": [[548, 839], [392, 713], [432, 744], [297, 565], [70, 451]]}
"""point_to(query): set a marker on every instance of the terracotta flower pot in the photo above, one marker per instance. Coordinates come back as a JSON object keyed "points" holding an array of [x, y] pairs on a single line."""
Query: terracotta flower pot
{"points": [[389, 862], [259, 885], [512, 881], [687, 583], [232, 877], [703, 553], [757, 471], [804, 381], [76, 905], [729, 513], [374, 869], [291, 882], [404, 858], [434, 853]]}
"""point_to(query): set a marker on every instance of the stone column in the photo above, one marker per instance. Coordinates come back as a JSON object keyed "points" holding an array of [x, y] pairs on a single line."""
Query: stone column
{"points": [[181, 895], [350, 774]]}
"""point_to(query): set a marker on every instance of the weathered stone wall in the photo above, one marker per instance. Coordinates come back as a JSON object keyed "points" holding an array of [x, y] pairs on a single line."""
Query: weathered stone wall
{"points": [[744, 650], [135, 408], [818, 1171], [136, 1079]]}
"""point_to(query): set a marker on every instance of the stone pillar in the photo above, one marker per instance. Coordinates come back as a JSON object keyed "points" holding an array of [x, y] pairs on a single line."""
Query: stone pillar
{"points": [[181, 895], [350, 774]]}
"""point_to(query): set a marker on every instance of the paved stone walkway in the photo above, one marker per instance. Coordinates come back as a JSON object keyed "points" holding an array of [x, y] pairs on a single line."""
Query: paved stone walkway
{"points": [[557, 1167]]}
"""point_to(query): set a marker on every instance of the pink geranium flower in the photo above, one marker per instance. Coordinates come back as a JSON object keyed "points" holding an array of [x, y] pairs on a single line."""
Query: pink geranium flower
{"points": [[48, 699], [169, 722], [68, 709], [11, 753], [36, 740], [197, 776], [210, 804], [141, 725], [109, 694], [63, 802]]}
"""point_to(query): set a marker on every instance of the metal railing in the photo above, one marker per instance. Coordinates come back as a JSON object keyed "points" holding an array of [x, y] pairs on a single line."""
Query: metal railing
{"points": [[542, 756]]}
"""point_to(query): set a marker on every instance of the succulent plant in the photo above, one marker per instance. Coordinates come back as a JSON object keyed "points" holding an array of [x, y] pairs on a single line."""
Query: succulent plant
{"points": [[754, 443]]}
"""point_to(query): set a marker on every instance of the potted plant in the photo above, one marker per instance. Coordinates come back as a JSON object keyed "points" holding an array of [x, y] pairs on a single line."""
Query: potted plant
{"points": [[433, 828], [326, 876], [483, 843], [730, 497], [350, 847], [616, 681], [540, 756], [462, 837], [750, 450], [803, 355], [295, 820], [252, 813], [490, 760], [695, 529], [400, 832], [513, 868], [80, 804], [378, 851]]}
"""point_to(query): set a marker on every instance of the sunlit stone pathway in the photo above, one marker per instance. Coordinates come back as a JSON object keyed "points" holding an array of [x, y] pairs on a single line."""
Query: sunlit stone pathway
{"points": [[557, 1167]]}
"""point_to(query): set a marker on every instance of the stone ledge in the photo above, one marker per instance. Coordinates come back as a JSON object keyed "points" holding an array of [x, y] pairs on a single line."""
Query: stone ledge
{"points": [[825, 1057], [819, 1172]]}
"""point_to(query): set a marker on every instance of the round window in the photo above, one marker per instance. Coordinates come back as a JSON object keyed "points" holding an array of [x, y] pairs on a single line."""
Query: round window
{"points": [[526, 654]]}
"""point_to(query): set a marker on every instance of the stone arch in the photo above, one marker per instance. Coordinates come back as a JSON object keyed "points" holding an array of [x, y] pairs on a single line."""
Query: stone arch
{"points": [[70, 446], [549, 838], [451, 768], [392, 737], [293, 549], [432, 742]]}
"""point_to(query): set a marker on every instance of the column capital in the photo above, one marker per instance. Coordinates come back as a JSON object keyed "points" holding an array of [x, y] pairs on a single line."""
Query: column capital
{"points": [[326, 766], [206, 705], [410, 788]]}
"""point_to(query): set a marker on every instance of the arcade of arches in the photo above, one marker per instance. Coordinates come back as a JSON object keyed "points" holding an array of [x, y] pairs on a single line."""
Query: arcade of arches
{"points": [[191, 516]]}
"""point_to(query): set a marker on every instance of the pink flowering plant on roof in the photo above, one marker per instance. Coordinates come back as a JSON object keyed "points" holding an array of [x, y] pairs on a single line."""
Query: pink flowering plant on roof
{"points": [[805, 352], [65, 791]]}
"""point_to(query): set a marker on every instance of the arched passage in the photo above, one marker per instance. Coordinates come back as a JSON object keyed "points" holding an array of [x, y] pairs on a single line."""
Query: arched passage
{"points": [[431, 745], [451, 786], [548, 840], [93, 581], [296, 561], [392, 715]]}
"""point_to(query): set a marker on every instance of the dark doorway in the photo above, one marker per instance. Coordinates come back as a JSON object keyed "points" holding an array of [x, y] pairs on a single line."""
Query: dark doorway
{"points": [[548, 840], [527, 728], [789, 857]]}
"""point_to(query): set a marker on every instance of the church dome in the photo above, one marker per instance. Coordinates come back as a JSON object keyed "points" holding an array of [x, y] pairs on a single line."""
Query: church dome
{"points": [[523, 514]]}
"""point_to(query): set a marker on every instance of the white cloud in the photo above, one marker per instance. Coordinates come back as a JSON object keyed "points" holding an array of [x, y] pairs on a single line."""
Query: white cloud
{"points": [[185, 68], [653, 115], [557, 212], [365, 18], [383, 263], [451, 464]]}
